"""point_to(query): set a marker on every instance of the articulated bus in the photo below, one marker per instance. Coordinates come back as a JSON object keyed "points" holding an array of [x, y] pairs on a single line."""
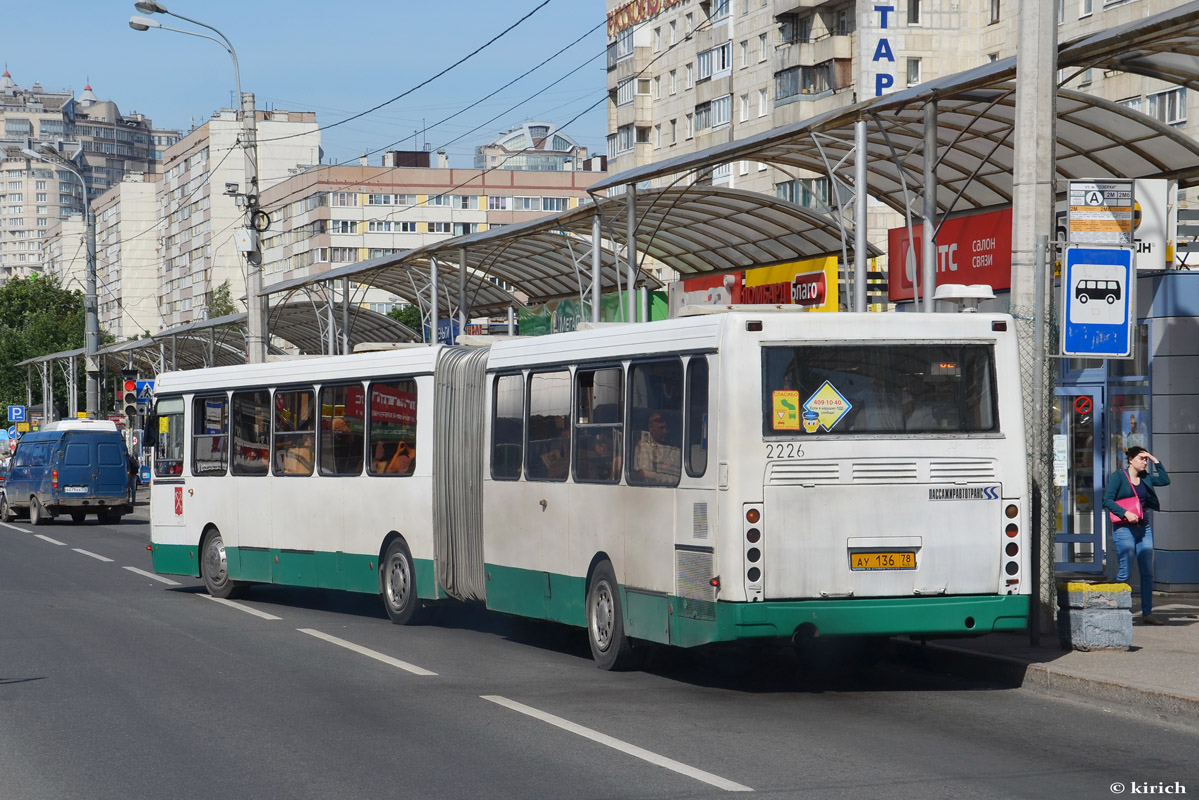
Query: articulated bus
{"points": [[752, 474]]}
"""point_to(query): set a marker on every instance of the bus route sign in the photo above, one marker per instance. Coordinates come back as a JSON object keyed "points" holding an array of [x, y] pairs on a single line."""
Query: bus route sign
{"points": [[1098, 284]]}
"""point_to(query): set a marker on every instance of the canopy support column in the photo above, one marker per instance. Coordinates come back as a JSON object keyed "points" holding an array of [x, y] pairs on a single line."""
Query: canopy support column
{"points": [[345, 315], [462, 277], [631, 248], [511, 321], [596, 265], [433, 300], [859, 216], [929, 251]]}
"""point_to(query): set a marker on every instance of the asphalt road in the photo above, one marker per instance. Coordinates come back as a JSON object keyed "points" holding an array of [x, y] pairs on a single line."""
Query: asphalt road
{"points": [[115, 684]]}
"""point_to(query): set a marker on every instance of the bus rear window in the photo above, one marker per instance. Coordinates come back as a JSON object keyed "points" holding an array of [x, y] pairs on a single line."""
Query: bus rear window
{"points": [[878, 389]]}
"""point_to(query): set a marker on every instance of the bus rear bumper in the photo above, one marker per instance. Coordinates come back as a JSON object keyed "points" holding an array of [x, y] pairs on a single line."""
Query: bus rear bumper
{"points": [[883, 616]]}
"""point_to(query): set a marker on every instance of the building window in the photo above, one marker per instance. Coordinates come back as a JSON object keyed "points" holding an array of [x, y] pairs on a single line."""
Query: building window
{"points": [[913, 12], [439, 227], [690, 75], [690, 126], [745, 54], [763, 102], [807, 192], [744, 107], [674, 131], [720, 10], [657, 40], [913, 71], [994, 11], [499, 203], [763, 43], [1169, 106], [1086, 8], [673, 80]]}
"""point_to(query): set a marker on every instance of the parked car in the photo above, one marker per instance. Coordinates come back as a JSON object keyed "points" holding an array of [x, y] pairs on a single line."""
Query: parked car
{"points": [[76, 467]]}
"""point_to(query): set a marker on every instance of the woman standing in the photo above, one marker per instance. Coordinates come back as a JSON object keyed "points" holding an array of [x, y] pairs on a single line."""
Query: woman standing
{"points": [[1133, 534]]}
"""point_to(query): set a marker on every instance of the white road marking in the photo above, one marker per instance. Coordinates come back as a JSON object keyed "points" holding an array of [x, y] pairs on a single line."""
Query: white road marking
{"points": [[617, 744], [395, 662], [151, 575], [96, 556], [46, 538], [15, 528], [239, 607]]}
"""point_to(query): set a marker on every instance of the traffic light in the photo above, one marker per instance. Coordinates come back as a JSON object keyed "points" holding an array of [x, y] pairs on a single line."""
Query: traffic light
{"points": [[129, 393]]}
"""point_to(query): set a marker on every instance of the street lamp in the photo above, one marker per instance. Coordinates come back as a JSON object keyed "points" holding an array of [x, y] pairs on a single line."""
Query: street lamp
{"points": [[91, 321], [256, 323]]}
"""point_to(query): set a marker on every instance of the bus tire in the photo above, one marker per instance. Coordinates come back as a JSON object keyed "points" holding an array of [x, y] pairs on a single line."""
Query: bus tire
{"points": [[37, 513], [397, 579], [610, 648], [6, 512], [215, 568], [1082, 298]]}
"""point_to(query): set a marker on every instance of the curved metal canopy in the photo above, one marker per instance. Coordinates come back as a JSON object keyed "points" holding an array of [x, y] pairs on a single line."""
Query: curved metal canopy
{"points": [[691, 230], [221, 341]]}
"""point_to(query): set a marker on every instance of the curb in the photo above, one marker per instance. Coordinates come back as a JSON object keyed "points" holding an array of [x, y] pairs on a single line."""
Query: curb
{"points": [[1042, 678]]}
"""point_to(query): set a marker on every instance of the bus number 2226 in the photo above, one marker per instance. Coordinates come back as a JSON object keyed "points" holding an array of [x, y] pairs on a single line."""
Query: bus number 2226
{"points": [[784, 450]]}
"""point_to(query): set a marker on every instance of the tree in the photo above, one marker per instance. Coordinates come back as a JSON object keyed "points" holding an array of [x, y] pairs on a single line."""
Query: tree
{"points": [[221, 302], [37, 317], [407, 315]]}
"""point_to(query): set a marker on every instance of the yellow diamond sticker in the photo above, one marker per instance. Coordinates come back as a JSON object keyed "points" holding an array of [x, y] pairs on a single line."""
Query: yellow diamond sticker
{"points": [[829, 407], [786, 411]]}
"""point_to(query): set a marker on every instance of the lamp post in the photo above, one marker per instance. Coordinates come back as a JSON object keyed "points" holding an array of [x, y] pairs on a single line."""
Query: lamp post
{"points": [[256, 322], [90, 303]]}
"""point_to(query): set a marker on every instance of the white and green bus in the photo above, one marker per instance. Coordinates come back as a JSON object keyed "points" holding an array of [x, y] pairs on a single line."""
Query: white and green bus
{"points": [[752, 474]]}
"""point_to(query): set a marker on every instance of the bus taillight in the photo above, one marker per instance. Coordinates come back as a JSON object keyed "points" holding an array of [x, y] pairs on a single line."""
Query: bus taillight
{"points": [[1011, 550], [753, 549]]}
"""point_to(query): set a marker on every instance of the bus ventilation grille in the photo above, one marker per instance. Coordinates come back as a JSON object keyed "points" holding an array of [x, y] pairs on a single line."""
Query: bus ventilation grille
{"points": [[699, 520], [697, 595], [884, 471], [781, 474], [948, 471]]}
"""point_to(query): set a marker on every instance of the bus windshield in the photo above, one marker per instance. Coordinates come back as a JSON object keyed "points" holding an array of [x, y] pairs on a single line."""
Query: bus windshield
{"points": [[878, 389]]}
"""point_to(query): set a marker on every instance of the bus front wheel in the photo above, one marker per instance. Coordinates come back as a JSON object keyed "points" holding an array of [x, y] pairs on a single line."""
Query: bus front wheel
{"points": [[6, 514], [215, 566], [398, 576], [610, 647]]}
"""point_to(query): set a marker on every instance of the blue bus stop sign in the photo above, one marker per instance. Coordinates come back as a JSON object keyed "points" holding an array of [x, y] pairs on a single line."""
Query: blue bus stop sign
{"points": [[1099, 288]]}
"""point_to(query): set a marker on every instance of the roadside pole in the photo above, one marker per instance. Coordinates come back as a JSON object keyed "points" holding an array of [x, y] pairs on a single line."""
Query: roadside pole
{"points": [[1033, 177]]}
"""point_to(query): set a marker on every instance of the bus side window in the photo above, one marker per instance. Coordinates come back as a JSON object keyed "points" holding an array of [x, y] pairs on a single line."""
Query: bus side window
{"points": [[697, 416], [251, 432], [342, 429], [210, 435], [508, 427], [549, 426]]}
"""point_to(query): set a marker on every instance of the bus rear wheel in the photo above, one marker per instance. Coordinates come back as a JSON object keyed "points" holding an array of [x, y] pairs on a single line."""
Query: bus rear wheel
{"points": [[610, 647], [215, 567], [37, 513], [397, 574]]}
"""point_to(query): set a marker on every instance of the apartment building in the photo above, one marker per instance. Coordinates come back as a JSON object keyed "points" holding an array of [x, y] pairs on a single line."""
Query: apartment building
{"points": [[198, 217], [34, 194], [328, 217], [536, 146]]}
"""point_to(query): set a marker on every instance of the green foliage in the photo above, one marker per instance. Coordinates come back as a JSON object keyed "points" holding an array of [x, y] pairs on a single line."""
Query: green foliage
{"points": [[408, 315], [221, 304], [37, 317]]}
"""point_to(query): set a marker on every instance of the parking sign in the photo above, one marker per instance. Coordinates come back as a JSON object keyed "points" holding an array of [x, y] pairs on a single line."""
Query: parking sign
{"points": [[16, 414]]}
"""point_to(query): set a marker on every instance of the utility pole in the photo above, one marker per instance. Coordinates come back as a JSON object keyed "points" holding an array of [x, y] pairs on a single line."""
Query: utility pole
{"points": [[1034, 172]]}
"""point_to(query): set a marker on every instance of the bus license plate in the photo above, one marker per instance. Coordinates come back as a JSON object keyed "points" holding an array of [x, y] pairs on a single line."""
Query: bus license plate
{"points": [[873, 561]]}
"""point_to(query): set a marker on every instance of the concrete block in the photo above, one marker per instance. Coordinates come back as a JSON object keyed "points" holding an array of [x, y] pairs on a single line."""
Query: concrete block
{"points": [[1095, 628]]}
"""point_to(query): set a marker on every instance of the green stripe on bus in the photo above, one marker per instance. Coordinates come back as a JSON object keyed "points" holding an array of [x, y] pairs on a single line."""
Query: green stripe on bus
{"points": [[175, 559], [321, 569], [536, 594]]}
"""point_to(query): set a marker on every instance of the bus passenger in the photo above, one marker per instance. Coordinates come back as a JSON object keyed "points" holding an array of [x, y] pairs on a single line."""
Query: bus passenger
{"points": [[597, 463], [656, 459]]}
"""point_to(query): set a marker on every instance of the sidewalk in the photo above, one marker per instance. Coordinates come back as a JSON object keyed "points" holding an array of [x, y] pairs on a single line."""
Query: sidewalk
{"points": [[1158, 675]]}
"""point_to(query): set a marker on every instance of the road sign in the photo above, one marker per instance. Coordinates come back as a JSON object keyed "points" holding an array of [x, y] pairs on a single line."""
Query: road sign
{"points": [[1098, 284], [145, 391], [16, 414], [13, 433], [1101, 212]]}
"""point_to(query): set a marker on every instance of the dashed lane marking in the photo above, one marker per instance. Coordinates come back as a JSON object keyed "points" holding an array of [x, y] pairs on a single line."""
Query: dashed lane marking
{"points": [[617, 744], [152, 576], [395, 662], [46, 538], [90, 554], [239, 607]]}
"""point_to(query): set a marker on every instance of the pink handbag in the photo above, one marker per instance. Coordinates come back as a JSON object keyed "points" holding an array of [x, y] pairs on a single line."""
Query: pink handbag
{"points": [[1132, 504]]}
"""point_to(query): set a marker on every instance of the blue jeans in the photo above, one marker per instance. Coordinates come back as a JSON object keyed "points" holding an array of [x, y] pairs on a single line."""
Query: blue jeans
{"points": [[1139, 539]]}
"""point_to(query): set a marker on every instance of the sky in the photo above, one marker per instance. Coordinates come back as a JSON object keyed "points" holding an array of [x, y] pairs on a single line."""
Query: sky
{"points": [[335, 58]]}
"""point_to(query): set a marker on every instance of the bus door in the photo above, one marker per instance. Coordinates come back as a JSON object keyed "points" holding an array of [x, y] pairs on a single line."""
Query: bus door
{"points": [[1078, 478]]}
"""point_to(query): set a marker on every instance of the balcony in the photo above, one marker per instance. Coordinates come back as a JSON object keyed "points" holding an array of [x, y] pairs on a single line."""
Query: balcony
{"points": [[791, 6], [815, 51]]}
